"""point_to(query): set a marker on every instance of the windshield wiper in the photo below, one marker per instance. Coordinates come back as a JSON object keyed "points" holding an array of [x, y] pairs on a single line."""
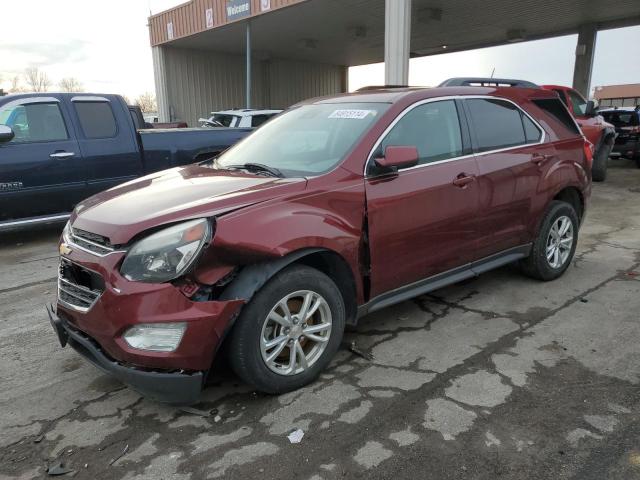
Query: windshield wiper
{"points": [[258, 167]]}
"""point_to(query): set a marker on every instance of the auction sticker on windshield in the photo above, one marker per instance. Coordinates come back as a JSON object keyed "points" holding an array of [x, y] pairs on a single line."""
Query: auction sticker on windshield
{"points": [[353, 114]]}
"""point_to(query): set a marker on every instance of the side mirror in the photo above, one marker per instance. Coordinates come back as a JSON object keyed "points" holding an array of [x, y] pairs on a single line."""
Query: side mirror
{"points": [[6, 134], [591, 110], [396, 157]]}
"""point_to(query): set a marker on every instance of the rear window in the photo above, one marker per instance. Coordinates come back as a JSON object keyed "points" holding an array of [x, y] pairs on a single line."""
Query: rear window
{"points": [[621, 119], [500, 124], [557, 110], [96, 119], [579, 103]]}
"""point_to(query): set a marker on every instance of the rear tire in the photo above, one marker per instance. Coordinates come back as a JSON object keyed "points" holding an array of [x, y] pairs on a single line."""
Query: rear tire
{"points": [[275, 367], [600, 160], [551, 253]]}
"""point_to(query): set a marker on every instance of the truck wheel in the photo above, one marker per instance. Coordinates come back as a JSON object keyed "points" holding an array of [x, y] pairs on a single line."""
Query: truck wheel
{"points": [[553, 248], [600, 160], [289, 331]]}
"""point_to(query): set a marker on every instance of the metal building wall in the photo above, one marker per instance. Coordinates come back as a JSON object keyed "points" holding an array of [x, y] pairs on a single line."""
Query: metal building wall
{"points": [[197, 82], [292, 81]]}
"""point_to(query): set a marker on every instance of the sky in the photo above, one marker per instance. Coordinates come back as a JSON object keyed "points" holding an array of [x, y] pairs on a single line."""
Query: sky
{"points": [[106, 46]]}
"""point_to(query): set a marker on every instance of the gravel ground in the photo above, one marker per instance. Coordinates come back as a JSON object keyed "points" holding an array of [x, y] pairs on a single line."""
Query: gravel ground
{"points": [[498, 377]]}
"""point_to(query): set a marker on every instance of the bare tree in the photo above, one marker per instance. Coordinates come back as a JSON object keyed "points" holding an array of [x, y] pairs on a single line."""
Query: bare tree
{"points": [[147, 102], [70, 84], [37, 81], [16, 84]]}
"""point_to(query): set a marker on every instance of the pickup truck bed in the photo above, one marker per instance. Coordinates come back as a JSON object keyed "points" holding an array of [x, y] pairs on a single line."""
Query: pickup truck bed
{"points": [[67, 146]]}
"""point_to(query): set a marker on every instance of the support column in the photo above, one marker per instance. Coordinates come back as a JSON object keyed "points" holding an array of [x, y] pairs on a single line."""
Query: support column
{"points": [[585, 51], [160, 78], [248, 67], [397, 37]]}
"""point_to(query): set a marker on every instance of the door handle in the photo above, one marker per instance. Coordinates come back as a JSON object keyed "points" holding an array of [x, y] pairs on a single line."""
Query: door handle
{"points": [[61, 155], [539, 158], [463, 180]]}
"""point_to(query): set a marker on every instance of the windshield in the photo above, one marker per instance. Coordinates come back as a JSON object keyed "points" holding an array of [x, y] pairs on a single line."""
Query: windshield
{"points": [[621, 119], [305, 141]]}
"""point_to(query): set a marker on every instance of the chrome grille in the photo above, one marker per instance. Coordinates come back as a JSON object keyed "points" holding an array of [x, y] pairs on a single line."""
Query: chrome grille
{"points": [[71, 293], [92, 242]]}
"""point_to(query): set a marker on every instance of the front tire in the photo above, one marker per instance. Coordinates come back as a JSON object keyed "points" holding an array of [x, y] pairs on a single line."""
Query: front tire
{"points": [[555, 245], [600, 161], [289, 332]]}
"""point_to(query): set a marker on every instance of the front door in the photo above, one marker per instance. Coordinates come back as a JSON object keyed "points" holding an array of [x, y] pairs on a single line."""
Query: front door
{"points": [[422, 219], [41, 171]]}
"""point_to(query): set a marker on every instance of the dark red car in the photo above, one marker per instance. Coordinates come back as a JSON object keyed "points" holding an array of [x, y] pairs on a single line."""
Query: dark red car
{"points": [[336, 208]]}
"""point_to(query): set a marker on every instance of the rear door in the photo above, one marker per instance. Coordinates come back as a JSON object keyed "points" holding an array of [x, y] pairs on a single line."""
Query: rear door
{"points": [[41, 168], [422, 220], [510, 155], [107, 141]]}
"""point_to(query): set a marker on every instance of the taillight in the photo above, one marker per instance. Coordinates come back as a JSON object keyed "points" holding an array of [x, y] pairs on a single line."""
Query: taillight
{"points": [[588, 153]]}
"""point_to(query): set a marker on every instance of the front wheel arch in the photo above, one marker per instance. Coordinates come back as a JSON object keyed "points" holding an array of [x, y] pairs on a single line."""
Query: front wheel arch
{"points": [[253, 277]]}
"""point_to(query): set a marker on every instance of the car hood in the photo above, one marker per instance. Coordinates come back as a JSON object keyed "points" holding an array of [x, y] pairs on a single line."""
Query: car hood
{"points": [[174, 195]]}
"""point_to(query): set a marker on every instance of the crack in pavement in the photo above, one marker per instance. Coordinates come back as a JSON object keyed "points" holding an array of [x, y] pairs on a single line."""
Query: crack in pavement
{"points": [[27, 285]]}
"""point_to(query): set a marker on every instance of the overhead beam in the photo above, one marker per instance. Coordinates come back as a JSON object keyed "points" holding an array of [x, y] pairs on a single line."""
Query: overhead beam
{"points": [[397, 37]]}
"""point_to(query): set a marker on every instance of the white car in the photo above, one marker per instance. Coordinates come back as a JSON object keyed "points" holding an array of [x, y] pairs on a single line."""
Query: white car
{"points": [[247, 118]]}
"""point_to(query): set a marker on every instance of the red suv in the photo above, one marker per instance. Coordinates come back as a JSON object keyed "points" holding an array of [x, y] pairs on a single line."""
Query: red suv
{"points": [[336, 208], [600, 133]]}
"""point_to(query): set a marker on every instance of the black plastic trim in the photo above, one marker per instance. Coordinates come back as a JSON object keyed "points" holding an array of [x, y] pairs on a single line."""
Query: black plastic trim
{"points": [[443, 279], [165, 387]]}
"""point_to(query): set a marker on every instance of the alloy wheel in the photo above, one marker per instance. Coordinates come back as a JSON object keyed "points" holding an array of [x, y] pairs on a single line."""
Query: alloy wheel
{"points": [[295, 332], [559, 242]]}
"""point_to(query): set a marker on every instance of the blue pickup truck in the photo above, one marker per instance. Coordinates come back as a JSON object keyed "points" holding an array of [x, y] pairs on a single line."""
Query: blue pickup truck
{"points": [[59, 148]]}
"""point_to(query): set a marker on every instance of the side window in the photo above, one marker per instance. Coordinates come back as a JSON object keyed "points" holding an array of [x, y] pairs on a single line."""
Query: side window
{"points": [[96, 119], [258, 120], [225, 120], [434, 128], [579, 103], [35, 122], [497, 124], [531, 132]]}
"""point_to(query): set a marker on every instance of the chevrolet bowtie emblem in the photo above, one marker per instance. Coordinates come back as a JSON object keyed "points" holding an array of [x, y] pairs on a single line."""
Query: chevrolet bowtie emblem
{"points": [[65, 249]]}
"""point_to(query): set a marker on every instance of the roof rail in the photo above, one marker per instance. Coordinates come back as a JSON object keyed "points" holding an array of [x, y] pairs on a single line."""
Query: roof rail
{"points": [[486, 82]]}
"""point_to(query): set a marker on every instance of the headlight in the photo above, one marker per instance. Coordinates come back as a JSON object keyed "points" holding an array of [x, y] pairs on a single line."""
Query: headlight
{"points": [[66, 233], [157, 337], [166, 254]]}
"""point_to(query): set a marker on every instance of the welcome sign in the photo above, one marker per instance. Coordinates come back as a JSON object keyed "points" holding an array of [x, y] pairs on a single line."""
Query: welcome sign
{"points": [[238, 9]]}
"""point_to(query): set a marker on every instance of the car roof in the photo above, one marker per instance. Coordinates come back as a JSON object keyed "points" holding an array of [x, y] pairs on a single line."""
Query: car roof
{"points": [[246, 112], [412, 94], [619, 109], [557, 87]]}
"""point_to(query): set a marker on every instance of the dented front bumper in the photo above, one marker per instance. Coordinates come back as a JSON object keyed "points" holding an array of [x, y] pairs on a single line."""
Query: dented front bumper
{"points": [[96, 327]]}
